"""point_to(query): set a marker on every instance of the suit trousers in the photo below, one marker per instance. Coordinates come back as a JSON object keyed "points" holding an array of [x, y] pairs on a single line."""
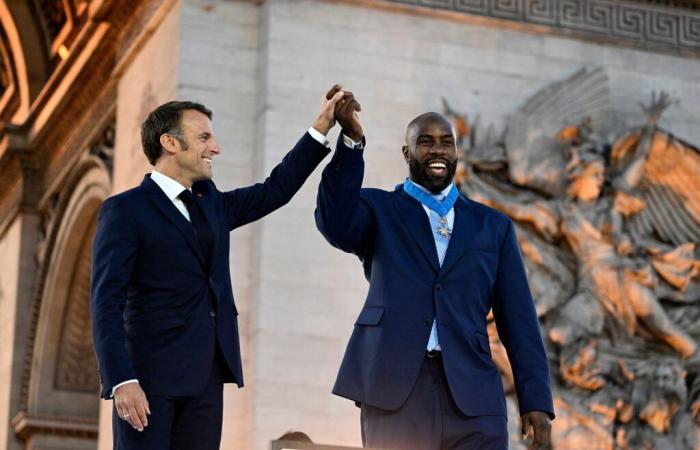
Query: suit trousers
{"points": [[179, 423], [431, 420]]}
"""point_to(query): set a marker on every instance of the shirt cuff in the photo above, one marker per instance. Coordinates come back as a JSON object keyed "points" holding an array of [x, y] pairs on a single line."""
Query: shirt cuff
{"points": [[318, 137], [349, 142], [122, 384]]}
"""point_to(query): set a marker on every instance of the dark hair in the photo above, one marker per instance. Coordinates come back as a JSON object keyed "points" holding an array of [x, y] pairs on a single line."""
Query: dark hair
{"points": [[166, 119], [295, 436]]}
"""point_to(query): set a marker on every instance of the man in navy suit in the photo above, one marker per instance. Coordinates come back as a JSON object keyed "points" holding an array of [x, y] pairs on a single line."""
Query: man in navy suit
{"points": [[418, 361], [164, 320]]}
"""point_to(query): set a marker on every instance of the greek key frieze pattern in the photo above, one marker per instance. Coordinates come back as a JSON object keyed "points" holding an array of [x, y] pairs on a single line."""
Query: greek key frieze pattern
{"points": [[624, 21]]}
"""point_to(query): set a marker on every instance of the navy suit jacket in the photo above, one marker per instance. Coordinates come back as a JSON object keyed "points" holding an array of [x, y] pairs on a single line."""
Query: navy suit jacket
{"points": [[157, 306], [482, 270]]}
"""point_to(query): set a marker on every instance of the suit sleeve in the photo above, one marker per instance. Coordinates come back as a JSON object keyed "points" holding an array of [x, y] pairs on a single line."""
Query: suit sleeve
{"points": [[343, 217], [519, 329], [113, 255], [248, 204]]}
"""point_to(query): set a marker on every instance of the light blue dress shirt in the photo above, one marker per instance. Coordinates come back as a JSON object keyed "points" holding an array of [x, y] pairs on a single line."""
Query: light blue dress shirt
{"points": [[441, 248]]}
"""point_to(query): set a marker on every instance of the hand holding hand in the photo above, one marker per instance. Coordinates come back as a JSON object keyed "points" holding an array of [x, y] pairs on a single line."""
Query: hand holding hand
{"points": [[132, 405], [326, 117], [536, 425], [346, 114]]}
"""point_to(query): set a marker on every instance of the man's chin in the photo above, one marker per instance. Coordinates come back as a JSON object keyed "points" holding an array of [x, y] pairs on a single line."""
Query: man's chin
{"points": [[437, 186]]}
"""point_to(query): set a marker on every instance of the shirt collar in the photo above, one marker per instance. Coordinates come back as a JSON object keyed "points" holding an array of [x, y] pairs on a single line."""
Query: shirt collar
{"points": [[440, 195], [170, 187]]}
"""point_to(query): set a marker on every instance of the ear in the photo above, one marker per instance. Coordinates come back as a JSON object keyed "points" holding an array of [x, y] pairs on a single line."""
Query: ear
{"points": [[169, 143], [405, 151]]}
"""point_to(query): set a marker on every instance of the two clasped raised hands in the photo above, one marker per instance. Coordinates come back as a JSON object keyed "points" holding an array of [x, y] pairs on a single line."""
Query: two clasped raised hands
{"points": [[341, 106]]}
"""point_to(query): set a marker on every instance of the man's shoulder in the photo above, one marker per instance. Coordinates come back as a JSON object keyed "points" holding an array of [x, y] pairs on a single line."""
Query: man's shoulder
{"points": [[371, 191], [376, 194], [126, 202], [130, 195]]}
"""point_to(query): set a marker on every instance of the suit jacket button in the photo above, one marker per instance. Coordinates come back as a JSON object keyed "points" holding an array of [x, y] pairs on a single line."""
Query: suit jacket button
{"points": [[438, 287], [427, 322], [212, 314]]}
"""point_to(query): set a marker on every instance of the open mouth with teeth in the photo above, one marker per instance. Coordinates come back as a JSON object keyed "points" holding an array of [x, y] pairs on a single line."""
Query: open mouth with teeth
{"points": [[207, 161], [436, 168]]}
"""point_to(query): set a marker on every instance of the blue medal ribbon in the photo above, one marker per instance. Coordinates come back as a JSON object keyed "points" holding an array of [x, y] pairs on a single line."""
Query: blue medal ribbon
{"points": [[440, 207]]}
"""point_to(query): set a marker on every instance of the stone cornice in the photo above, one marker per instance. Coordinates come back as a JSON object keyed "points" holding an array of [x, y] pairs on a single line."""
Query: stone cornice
{"points": [[25, 425], [663, 26]]}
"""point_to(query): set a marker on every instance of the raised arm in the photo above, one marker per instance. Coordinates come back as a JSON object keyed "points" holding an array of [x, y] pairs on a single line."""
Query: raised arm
{"points": [[245, 205], [342, 216]]}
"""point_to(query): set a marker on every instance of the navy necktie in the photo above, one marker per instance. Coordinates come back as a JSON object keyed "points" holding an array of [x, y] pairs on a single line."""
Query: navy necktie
{"points": [[201, 228]]}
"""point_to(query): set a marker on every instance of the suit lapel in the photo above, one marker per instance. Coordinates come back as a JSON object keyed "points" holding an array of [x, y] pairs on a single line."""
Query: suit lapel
{"points": [[416, 220], [462, 231], [166, 207]]}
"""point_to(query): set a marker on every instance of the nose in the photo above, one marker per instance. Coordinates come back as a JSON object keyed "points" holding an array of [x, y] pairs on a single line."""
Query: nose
{"points": [[214, 147], [438, 149]]}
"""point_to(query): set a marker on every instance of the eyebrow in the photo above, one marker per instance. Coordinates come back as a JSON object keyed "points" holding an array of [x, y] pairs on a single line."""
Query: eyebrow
{"points": [[430, 136]]}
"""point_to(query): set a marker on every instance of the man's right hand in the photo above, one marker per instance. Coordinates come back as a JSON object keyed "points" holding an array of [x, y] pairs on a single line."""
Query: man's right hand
{"points": [[132, 405], [346, 115]]}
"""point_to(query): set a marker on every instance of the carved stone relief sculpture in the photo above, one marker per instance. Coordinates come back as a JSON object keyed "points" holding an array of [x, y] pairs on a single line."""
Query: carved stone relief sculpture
{"points": [[609, 224]]}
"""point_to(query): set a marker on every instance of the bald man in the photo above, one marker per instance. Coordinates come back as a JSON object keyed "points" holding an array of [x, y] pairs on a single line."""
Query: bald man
{"points": [[419, 363]]}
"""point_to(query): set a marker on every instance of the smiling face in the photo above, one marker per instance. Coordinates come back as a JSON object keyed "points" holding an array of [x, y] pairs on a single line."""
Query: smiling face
{"points": [[191, 152], [430, 151]]}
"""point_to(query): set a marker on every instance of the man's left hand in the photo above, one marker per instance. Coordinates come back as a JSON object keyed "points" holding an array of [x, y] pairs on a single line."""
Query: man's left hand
{"points": [[536, 425]]}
